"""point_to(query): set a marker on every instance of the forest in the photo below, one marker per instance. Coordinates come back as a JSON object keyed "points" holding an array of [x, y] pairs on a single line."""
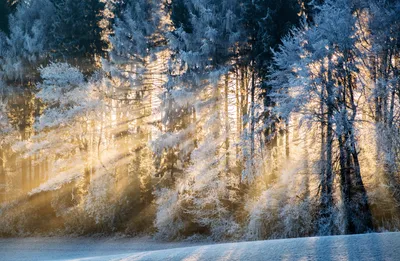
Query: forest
{"points": [[199, 119]]}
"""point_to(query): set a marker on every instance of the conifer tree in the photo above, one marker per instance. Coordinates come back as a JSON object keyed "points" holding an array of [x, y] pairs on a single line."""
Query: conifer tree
{"points": [[77, 31], [4, 14]]}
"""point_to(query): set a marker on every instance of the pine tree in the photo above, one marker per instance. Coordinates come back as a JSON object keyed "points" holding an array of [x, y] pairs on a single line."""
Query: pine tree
{"points": [[180, 15], [78, 31], [4, 14], [28, 42], [202, 45], [264, 24]]}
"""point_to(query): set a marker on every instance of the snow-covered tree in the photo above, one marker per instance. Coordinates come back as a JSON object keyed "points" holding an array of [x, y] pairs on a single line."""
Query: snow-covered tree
{"points": [[199, 118], [383, 65], [318, 65], [202, 45], [28, 41], [67, 132]]}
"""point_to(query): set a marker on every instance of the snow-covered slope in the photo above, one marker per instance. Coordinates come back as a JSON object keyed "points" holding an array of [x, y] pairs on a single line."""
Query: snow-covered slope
{"points": [[385, 246]]}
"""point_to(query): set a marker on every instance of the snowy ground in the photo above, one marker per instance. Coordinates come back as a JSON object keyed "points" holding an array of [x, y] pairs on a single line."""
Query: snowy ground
{"points": [[385, 246]]}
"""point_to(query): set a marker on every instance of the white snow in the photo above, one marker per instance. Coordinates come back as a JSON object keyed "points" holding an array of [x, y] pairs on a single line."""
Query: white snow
{"points": [[383, 246]]}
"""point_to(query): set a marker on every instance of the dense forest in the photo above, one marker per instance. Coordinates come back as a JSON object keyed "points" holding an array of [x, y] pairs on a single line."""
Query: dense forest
{"points": [[199, 119]]}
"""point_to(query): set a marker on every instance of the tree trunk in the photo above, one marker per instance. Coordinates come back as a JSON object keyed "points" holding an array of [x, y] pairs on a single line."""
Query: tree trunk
{"points": [[227, 131], [326, 224], [287, 140], [359, 221], [2, 176], [252, 117]]}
